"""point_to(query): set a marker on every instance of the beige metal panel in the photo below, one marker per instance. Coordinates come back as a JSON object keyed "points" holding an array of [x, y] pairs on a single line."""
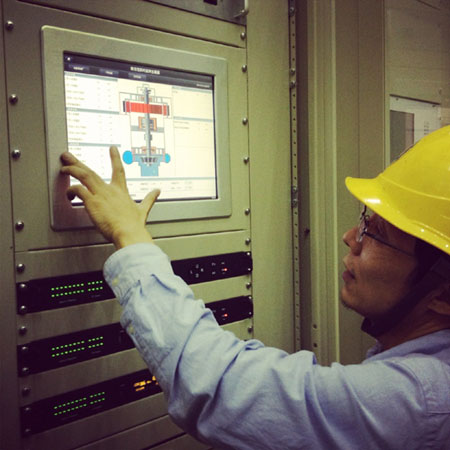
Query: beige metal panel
{"points": [[56, 322], [9, 412], [270, 168], [317, 173], [150, 15], [56, 262], [418, 52], [68, 378], [31, 205], [185, 442], [139, 437], [361, 148], [98, 428], [342, 131], [242, 329]]}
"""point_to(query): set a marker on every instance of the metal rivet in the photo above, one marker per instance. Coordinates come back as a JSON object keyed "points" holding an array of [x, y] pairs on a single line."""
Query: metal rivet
{"points": [[293, 84], [23, 310], [245, 120], [24, 349], [20, 268], [26, 390], [243, 35], [19, 225], [13, 99], [247, 211], [25, 370], [246, 159], [292, 70], [248, 285], [250, 329], [9, 25], [23, 286], [247, 241], [291, 11], [23, 330], [244, 68], [16, 153], [248, 254]]}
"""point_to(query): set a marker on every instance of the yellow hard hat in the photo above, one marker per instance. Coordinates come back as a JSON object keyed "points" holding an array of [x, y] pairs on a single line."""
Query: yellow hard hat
{"points": [[413, 193]]}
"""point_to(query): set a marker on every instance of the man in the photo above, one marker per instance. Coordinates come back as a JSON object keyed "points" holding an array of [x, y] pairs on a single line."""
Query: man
{"points": [[242, 395]]}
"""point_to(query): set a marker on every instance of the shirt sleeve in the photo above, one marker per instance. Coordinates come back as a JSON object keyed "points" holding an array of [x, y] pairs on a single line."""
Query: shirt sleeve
{"points": [[241, 395]]}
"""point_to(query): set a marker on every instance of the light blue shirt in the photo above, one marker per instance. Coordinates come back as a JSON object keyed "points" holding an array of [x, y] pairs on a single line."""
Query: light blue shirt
{"points": [[237, 394]]}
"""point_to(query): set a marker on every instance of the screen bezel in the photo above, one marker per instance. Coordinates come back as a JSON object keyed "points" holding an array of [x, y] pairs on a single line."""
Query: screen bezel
{"points": [[56, 41]]}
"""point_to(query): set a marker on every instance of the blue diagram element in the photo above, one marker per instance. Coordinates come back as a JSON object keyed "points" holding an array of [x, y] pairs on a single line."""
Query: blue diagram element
{"points": [[127, 157], [150, 164]]}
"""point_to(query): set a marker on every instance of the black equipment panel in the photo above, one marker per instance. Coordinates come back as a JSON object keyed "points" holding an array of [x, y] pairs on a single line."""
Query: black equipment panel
{"points": [[59, 351], [75, 405], [59, 292]]}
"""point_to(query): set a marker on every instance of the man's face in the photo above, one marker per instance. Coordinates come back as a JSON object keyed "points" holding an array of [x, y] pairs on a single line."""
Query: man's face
{"points": [[377, 276]]}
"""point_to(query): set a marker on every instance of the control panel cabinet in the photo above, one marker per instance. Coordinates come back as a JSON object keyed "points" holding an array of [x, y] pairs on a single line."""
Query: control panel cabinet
{"points": [[169, 87]]}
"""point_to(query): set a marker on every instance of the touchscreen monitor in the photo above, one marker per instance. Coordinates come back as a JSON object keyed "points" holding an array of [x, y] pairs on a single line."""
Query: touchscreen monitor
{"points": [[161, 120]]}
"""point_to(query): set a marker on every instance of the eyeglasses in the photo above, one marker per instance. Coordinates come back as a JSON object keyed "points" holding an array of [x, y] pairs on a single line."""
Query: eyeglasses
{"points": [[364, 222]]}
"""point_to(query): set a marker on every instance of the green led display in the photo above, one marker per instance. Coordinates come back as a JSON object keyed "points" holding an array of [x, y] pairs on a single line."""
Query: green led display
{"points": [[79, 403], [67, 349]]}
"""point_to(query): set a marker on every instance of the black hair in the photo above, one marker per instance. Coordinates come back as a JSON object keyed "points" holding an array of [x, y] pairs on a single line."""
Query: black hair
{"points": [[427, 255]]}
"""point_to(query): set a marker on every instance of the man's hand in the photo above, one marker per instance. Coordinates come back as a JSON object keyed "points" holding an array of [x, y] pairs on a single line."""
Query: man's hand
{"points": [[119, 218]]}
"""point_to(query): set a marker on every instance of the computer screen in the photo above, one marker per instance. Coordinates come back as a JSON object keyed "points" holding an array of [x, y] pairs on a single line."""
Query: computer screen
{"points": [[165, 109], [160, 119]]}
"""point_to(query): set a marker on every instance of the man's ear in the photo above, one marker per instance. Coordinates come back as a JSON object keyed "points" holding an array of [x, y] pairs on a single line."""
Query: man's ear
{"points": [[440, 300]]}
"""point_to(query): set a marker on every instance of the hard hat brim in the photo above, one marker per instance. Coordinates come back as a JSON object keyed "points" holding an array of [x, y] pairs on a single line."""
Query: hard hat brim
{"points": [[391, 203]]}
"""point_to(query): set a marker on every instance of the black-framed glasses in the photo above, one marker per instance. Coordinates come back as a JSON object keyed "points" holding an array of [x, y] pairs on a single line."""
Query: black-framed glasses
{"points": [[364, 222]]}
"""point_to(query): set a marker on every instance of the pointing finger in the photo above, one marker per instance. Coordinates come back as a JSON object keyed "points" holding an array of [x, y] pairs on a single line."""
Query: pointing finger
{"points": [[118, 172]]}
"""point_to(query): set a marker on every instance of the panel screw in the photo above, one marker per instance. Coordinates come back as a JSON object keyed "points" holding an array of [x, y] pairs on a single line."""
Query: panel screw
{"points": [[9, 25], [26, 390], [16, 153], [244, 68], [23, 330], [246, 159], [19, 225], [24, 349], [247, 241], [13, 99], [247, 211], [243, 35], [20, 268], [23, 310], [245, 120]]}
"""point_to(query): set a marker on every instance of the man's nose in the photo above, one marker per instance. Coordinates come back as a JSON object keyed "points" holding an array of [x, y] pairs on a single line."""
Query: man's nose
{"points": [[350, 241]]}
